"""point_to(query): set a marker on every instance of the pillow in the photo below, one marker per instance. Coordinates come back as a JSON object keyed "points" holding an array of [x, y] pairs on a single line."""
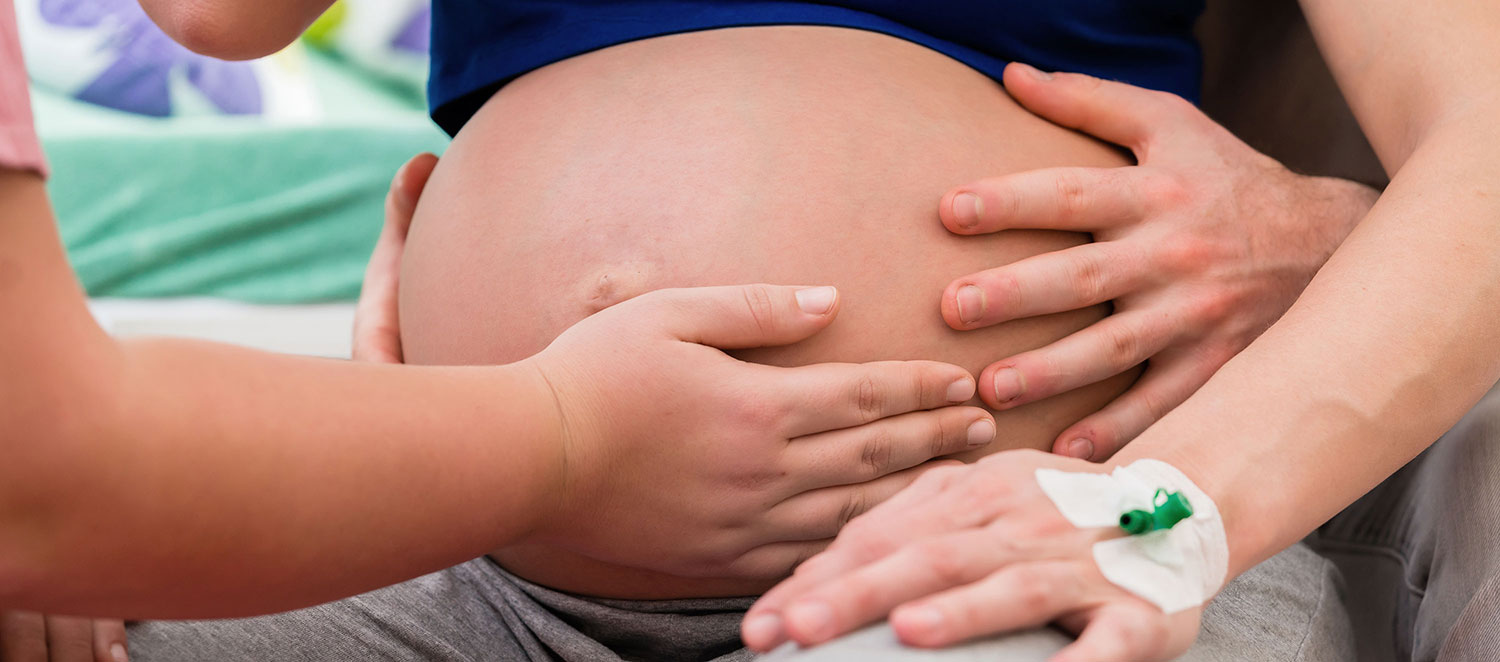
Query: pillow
{"points": [[109, 53]]}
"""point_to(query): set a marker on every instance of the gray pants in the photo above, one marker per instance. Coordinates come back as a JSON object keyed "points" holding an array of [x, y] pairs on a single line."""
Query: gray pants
{"points": [[1410, 568], [1420, 554], [1285, 609]]}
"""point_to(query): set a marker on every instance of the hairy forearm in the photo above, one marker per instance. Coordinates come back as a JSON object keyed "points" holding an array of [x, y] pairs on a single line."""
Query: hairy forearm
{"points": [[173, 478], [1391, 343]]}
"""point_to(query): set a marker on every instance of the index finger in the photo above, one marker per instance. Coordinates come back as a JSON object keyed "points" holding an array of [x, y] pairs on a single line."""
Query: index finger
{"points": [[867, 540], [833, 396], [1076, 199]]}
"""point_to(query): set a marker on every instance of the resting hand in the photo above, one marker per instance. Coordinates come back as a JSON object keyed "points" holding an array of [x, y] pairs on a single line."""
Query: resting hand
{"points": [[681, 459], [33, 637], [1201, 247], [377, 329], [967, 552]]}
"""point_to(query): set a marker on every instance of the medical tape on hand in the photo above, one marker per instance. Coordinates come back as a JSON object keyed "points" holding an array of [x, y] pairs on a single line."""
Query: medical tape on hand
{"points": [[1175, 569]]}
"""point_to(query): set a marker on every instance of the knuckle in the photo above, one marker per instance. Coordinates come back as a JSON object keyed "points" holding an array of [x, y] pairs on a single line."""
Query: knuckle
{"points": [[1155, 404], [938, 478], [855, 592], [1165, 189], [944, 434], [1214, 357], [1005, 287], [856, 504], [936, 380], [1173, 105], [868, 399], [1090, 279], [1033, 594], [1107, 438], [755, 478], [813, 565], [1139, 631], [760, 413], [855, 533], [1123, 345], [1214, 305], [1005, 199], [1072, 197], [877, 456], [944, 564], [796, 560], [1188, 254], [761, 307], [1084, 82]]}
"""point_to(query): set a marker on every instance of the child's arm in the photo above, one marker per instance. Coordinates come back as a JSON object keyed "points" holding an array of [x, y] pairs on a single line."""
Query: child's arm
{"points": [[172, 478], [234, 29]]}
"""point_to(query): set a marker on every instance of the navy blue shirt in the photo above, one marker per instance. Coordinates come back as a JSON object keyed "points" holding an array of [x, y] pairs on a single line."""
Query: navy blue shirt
{"points": [[479, 45]]}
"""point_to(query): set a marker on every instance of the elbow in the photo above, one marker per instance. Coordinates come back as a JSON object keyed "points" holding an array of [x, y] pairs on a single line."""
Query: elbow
{"points": [[217, 29]]}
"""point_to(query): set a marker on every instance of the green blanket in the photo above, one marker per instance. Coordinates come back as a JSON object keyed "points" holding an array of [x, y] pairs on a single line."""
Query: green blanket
{"points": [[231, 207]]}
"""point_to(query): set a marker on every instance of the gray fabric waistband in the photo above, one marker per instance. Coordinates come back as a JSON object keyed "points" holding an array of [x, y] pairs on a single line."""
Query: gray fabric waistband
{"points": [[571, 627]]}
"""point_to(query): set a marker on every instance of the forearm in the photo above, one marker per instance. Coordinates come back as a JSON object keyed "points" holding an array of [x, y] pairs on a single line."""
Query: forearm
{"points": [[177, 478], [1391, 343], [229, 471]]}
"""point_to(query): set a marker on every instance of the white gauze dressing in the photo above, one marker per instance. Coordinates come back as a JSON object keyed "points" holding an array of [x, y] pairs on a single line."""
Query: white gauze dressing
{"points": [[1175, 569]]}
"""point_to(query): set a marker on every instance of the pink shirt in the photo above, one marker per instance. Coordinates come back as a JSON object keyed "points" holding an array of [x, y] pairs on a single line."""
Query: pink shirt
{"points": [[19, 148]]}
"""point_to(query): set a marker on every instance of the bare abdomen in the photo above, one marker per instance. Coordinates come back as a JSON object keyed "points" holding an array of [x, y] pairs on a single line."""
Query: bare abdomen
{"points": [[794, 155]]}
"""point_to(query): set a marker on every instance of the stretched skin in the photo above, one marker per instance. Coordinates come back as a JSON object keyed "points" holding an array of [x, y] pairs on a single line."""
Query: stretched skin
{"points": [[787, 154]]}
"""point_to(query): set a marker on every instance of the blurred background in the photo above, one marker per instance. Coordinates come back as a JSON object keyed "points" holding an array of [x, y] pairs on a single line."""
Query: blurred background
{"points": [[237, 201]]}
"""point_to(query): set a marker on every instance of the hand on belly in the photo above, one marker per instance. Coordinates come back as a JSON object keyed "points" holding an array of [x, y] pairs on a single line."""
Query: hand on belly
{"points": [[790, 155]]}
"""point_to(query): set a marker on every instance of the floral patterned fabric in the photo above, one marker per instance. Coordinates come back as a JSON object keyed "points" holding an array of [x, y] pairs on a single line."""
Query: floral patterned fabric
{"points": [[108, 52]]}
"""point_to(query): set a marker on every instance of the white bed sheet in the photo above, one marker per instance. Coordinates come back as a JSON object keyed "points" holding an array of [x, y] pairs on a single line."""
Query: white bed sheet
{"points": [[323, 329]]}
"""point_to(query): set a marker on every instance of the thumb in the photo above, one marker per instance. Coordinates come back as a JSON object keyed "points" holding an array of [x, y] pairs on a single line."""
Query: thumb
{"points": [[1111, 111], [744, 316], [406, 189]]}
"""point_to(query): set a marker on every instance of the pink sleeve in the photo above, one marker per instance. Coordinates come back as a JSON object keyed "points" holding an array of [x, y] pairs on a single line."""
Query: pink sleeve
{"points": [[19, 148]]}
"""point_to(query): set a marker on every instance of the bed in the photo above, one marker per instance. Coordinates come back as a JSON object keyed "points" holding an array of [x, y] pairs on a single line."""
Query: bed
{"points": [[232, 228]]}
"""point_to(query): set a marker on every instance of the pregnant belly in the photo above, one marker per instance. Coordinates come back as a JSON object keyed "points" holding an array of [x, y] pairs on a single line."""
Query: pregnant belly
{"points": [[789, 154]]}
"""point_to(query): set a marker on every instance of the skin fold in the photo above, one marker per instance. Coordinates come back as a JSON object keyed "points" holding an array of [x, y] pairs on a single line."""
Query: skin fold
{"points": [[784, 154]]}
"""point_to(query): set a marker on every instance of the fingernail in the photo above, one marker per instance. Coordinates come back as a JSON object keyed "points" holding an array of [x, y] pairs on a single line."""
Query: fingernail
{"points": [[927, 619], [1082, 449], [1008, 385], [981, 432], [814, 619], [967, 208], [970, 302], [1034, 72], [762, 629], [961, 390], [816, 300], [117, 652]]}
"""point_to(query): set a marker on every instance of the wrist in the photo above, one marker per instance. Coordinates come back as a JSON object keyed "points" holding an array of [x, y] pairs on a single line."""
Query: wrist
{"points": [[556, 459], [1336, 206], [1222, 478]]}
